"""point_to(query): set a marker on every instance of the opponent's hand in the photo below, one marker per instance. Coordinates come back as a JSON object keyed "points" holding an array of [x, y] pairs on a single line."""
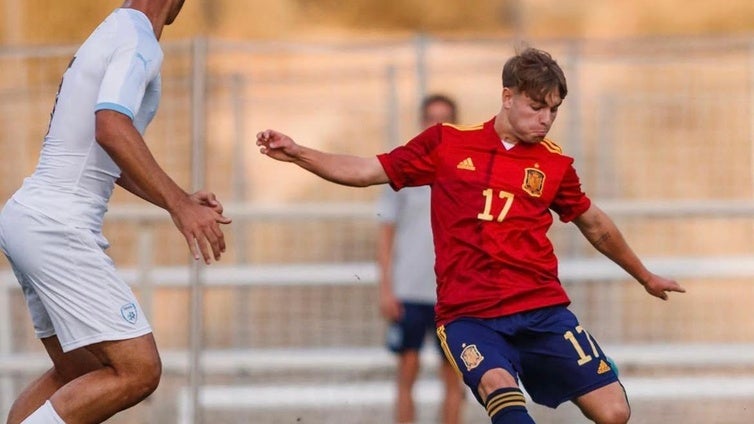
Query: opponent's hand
{"points": [[659, 286], [200, 226], [207, 198], [277, 146]]}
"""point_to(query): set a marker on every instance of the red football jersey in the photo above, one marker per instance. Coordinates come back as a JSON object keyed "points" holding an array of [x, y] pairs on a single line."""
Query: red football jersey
{"points": [[490, 216]]}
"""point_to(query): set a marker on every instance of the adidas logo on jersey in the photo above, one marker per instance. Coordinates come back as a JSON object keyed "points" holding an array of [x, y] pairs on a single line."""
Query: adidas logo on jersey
{"points": [[603, 368], [466, 164]]}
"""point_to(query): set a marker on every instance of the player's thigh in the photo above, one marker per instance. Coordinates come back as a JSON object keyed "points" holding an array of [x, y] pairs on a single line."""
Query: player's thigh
{"points": [[480, 355], [560, 360], [605, 404], [70, 283], [70, 365], [102, 305], [28, 242], [138, 355]]}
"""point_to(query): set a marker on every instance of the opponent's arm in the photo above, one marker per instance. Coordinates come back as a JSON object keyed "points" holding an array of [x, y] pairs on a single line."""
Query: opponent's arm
{"points": [[603, 234], [127, 183], [347, 170], [201, 197], [143, 176]]}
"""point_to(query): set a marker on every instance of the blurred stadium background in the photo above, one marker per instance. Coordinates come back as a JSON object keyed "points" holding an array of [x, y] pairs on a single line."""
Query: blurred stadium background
{"points": [[285, 329]]}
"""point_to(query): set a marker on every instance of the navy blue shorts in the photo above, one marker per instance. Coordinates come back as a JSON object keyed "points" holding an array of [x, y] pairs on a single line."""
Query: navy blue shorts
{"points": [[410, 331], [547, 349]]}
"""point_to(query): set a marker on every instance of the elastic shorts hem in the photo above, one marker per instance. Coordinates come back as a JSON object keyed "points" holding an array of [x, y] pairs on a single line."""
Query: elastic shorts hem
{"points": [[105, 337], [571, 397], [44, 334]]}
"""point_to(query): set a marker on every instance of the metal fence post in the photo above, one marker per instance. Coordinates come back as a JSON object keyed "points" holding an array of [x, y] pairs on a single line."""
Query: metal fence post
{"points": [[198, 161]]}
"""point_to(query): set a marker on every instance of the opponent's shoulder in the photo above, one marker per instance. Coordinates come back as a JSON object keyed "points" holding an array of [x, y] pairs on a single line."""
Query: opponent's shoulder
{"points": [[124, 29]]}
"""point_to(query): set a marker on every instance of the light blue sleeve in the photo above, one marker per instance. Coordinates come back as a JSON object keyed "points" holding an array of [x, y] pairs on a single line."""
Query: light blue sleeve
{"points": [[132, 66]]}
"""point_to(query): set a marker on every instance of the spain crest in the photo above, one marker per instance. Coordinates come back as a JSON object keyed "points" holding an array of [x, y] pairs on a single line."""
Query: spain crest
{"points": [[534, 182], [471, 357]]}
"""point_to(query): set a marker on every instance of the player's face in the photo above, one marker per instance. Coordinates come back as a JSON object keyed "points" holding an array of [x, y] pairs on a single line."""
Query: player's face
{"points": [[437, 112], [177, 5], [530, 119]]}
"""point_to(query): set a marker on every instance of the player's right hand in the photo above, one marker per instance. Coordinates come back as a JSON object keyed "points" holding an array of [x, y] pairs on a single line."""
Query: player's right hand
{"points": [[277, 145], [200, 226]]}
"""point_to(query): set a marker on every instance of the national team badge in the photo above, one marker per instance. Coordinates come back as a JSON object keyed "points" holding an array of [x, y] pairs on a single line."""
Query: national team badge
{"points": [[129, 312], [534, 181], [471, 357]]}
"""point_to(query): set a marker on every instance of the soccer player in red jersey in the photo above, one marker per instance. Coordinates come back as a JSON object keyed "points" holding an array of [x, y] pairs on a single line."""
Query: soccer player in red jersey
{"points": [[501, 311]]}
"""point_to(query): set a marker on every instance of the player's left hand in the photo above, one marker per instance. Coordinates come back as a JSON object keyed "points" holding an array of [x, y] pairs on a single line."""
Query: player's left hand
{"points": [[659, 286]]}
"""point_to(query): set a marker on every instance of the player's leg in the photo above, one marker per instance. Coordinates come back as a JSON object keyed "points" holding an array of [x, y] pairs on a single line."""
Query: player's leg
{"points": [[408, 369], [66, 367], [562, 362], [488, 364], [131, 372], [405, 338], [74, 293], [606, 405], [454, 394], [453, 387]]}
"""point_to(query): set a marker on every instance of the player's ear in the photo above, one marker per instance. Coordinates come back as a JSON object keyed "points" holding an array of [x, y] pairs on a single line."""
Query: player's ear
{"points": [[507, 97]]}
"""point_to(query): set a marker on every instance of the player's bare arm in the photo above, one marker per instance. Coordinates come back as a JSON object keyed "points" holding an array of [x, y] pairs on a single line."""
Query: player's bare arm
{"points": [[347, 170], [198, 223], [604, 235], [201, 197]]}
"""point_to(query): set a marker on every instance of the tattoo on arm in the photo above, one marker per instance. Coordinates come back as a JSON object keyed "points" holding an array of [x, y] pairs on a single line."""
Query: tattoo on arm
{"points": [[602, 239]]}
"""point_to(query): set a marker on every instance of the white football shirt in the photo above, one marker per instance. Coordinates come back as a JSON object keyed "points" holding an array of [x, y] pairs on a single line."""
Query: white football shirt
{"points": [[117, 68]]}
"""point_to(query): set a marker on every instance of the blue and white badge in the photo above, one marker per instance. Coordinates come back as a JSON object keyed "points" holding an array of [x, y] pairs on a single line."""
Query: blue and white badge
{"points": [[129, 313]]}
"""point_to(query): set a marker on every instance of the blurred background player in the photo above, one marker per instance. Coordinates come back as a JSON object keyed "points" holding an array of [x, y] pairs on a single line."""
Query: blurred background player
{"points": [[104, 355], [407, 283]]}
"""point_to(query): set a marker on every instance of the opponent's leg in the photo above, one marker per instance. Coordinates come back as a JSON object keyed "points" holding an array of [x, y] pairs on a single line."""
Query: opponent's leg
{"points": [[66, 367], [606, 405], [131, 372]]}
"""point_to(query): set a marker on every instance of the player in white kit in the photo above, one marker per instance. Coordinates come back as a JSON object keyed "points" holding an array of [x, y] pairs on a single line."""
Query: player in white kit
{"points": [[101, 345]]}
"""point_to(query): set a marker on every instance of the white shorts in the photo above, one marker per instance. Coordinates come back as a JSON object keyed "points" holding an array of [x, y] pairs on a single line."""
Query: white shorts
{"points": [[70, 284]]}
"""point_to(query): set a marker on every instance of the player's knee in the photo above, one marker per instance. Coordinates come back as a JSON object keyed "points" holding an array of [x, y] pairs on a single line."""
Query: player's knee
{"points": [[613, 413], [142, 378], [150, 377], [494, 379]]}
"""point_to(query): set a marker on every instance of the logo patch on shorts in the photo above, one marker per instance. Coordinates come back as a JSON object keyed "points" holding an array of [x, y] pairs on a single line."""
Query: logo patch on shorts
{"points": [[129, 313], [471, 357]]}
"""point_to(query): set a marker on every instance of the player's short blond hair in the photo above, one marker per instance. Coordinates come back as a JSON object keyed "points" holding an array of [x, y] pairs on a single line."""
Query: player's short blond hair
{"points": [[535, 73]]}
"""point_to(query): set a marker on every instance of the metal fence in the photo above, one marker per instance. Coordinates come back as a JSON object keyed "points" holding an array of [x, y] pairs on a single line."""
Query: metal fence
{"points": [[662, 135]]}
